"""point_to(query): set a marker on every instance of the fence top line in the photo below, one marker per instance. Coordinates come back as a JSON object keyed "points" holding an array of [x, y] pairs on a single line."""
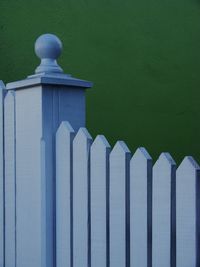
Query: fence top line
{"points": [[48, 47]]}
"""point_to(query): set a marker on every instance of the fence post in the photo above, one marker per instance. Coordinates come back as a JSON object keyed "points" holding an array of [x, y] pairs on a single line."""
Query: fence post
{"points": [[42, 101]]}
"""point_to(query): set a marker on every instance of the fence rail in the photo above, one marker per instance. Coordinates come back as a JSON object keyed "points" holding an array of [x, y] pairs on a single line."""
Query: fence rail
{"points": [[118, 210]]}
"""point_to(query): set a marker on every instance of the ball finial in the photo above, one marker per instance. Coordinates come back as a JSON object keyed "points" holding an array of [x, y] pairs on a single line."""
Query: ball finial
{"points": [[48, 48]]}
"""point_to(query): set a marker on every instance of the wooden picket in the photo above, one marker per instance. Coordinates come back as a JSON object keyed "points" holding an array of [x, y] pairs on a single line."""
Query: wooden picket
{"points": [[10, 182], [99, 175], [64, 138], [118, 205], [164, 172], [114, 210], [81, 188], [140, 208], [2, 94], [187, 214]]}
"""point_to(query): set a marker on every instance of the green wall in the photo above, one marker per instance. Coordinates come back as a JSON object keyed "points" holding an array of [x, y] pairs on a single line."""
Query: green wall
{"points": [[143, 57]]}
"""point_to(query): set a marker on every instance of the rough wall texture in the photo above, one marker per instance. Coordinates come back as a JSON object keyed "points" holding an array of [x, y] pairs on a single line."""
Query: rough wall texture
{"points": [[143, 56]]}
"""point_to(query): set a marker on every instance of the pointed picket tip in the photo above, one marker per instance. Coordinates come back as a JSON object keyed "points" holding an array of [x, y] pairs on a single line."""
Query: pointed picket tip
{"points": [[9, 95], [120, 147], [65, 126], [141, 153], [100, 142], [165, 159], [82, 134], [189, 162], [2, 85]]}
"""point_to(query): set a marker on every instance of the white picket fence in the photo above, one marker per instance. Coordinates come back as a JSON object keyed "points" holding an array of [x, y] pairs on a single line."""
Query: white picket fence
{"points": [[118, 210], [67, 200]]}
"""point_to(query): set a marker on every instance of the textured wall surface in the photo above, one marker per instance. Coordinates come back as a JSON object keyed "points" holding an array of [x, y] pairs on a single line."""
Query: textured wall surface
{"points": [[143, 57]]}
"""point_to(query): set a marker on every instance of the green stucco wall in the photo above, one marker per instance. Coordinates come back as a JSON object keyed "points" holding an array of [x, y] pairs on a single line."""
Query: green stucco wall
{"points": [[143, 57]]}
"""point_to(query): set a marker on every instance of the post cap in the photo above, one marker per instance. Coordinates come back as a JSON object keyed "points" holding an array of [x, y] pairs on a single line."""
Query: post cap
{"points": [[48, 48]]}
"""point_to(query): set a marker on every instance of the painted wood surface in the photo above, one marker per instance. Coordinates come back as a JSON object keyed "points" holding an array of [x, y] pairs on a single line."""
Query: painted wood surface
{"points": [[10, 181], [50, 118], [140, 208], [64, 138], [43, 207], [109, 211], [81, 190], [187, 213], [29, 190], [119, 207], [72, 106], [99, 175], [2, 94], [164, 173], [58, 104]]}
